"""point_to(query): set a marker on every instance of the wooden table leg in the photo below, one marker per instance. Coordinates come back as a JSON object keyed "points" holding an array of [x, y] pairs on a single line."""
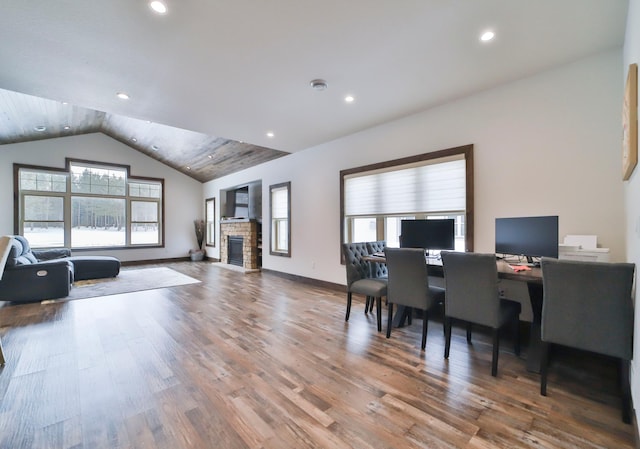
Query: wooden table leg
{"points": [[400, 316], [535, 342]]}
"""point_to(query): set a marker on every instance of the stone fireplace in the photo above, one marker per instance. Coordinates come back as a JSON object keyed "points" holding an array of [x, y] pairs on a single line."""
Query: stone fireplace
{"points": [[243, 233]]}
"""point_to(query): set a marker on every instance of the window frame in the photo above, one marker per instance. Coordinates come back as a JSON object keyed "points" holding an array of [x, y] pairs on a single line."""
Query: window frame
{"points": [[69, 194], [275, 228], [210, 237], [466, 151]]}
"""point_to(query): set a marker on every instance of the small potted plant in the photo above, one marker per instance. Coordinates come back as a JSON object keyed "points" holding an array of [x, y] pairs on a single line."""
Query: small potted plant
{"points": [[198, 254]]}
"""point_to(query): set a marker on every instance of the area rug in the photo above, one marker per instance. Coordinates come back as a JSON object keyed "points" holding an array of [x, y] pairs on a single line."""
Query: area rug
{"points": [[131, 280]]}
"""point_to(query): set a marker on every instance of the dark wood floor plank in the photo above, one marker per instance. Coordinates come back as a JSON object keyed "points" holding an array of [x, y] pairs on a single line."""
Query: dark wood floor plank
{"points": [[257, 361]]}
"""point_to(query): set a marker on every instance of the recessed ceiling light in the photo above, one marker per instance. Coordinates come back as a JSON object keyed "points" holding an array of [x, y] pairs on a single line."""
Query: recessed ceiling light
{"points": [[349, 99], [67, 127], [158, 7], [40, 128], [487, 36], [133, 139], [188, 168], [210, 157], [155, 147], [122, 96], [270, 134]]}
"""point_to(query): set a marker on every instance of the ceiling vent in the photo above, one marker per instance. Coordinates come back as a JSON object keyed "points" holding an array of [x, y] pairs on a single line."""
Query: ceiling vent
{"points": [[318, 84]]}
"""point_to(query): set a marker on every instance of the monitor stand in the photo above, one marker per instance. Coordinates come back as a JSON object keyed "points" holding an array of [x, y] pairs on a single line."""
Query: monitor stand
{"points": [[531, 263]]}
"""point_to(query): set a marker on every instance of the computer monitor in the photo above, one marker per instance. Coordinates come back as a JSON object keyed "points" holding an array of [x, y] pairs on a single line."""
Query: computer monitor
{"points": [[428, 234], [528, 236]]}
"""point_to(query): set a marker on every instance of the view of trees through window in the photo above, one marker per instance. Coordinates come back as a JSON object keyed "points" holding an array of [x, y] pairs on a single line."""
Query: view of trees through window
{"points": [[89, 206]]}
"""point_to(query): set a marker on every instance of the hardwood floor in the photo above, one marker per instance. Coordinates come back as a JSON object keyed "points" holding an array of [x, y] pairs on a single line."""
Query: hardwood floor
{"points": [[259, 361]]}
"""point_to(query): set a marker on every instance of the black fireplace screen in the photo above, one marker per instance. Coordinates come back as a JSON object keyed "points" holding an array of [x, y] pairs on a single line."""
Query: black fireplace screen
{"points": [[235, 256]]}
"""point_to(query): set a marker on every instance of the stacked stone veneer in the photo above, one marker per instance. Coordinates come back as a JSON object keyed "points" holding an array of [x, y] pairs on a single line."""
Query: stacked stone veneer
{"points": [[248, 230]]}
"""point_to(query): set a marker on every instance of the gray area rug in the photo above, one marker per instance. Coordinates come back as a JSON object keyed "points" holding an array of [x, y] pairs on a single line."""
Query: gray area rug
{"points": [[132, 280]]}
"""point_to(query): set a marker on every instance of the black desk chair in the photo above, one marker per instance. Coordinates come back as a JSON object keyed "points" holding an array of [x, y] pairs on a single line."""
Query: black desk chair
{"points": [[408, 285], [588, 306], [359, 279], [471, 286]]}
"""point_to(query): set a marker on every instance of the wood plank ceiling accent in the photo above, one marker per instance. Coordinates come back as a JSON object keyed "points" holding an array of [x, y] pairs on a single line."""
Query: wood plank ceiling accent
{"points": [[25, 118]]}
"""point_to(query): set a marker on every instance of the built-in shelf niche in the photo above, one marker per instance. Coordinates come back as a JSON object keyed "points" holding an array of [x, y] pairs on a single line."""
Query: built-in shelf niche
{"points": [[242, 201]]}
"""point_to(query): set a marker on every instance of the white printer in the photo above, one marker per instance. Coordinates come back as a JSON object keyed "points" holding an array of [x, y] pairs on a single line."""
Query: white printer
{"points": [[582, 247]]}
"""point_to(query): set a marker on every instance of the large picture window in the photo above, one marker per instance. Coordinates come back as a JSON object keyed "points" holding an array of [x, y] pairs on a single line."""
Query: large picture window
{"points": [[376, 198], [88, 205]]}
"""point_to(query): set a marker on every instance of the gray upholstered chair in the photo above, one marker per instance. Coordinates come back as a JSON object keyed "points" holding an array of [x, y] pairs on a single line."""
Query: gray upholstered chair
{"points": [[378, 269], [471, 285], [408, 285], [588, 306], [359, 279]]}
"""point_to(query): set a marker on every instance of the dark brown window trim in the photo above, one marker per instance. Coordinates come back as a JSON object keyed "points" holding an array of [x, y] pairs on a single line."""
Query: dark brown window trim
{"points": [[67, 170], [280, 253], [215, 228], [466, 150]]}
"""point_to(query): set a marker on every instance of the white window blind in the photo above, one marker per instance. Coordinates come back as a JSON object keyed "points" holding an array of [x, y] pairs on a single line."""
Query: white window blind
{"points": [[428, 188], [279, 203]]}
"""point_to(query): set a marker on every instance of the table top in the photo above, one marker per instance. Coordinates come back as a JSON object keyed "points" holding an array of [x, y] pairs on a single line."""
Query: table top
{"points": [[505, 270]]}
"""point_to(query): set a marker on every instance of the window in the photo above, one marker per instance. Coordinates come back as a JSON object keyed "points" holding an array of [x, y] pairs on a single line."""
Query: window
{"points": [[210, 221], [88, 205], [376, 198], [280, 207]]}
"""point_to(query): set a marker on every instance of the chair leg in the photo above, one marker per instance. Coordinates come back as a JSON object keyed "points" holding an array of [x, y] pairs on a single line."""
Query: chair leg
{"points": [[409, 315], [379, 312], [626, 391], [346, 318], [469, 333], [516, 337], [371, 304], [389, 319], [367, 303], [496, 351], [544, 359], [425, 324], [447, 336]]}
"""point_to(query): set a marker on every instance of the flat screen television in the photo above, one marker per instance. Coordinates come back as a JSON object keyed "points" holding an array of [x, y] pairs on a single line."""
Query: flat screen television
{"points": [[528, 236], [428, 234]]}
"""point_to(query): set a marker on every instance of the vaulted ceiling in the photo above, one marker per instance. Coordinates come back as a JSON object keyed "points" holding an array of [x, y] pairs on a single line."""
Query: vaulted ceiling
{"points": [[24, 118], [207, 81]]}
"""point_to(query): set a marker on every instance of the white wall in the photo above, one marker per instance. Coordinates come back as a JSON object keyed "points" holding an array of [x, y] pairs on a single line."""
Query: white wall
{"points": [[183, 195], [548, 144], [632, 191]]}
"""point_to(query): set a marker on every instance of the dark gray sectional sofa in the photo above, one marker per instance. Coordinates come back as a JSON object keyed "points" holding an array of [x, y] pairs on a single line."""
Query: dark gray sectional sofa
{"points": [[35, 275]]}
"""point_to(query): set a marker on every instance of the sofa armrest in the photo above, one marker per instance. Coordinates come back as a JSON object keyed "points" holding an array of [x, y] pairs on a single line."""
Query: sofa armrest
{"points": [[35, 282], [51, 254]]}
